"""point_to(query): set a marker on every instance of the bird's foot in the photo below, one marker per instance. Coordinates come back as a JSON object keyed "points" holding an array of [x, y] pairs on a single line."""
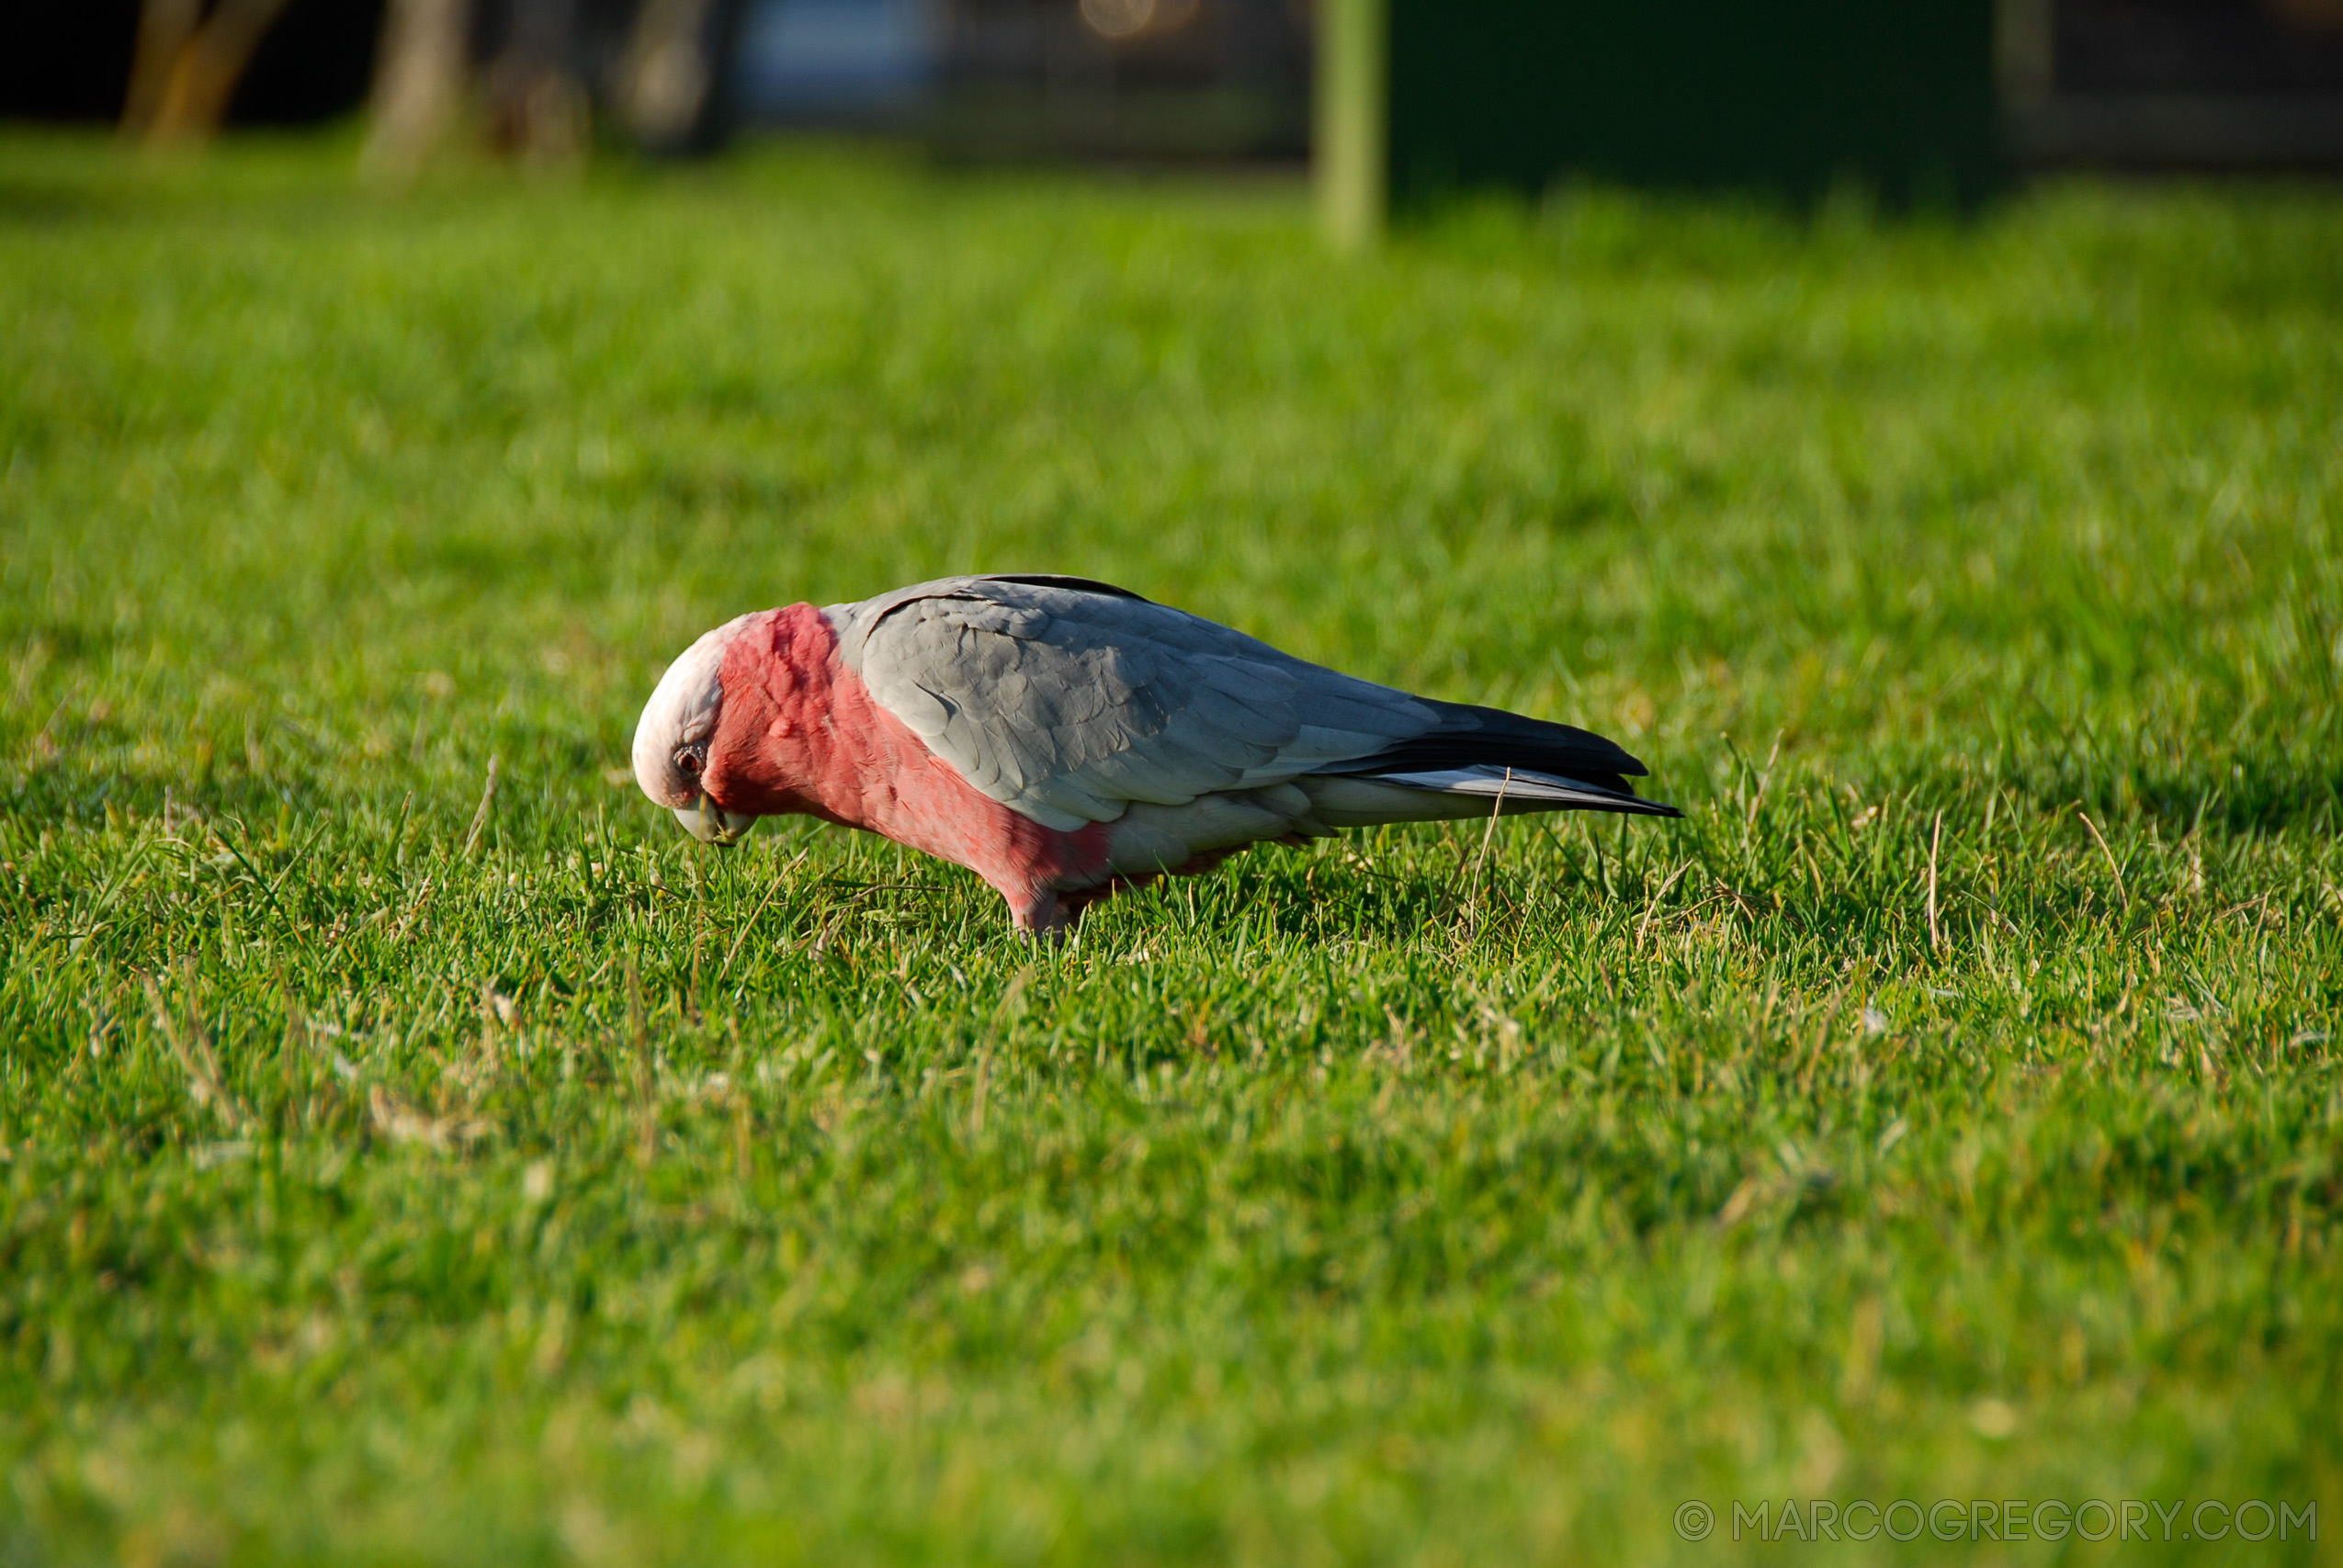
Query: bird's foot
{"points": [[1048, 919]]}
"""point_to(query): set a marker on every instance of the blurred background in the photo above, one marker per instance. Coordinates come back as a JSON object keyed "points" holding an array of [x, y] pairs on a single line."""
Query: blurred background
{"points": [[1151, 78], [1922, 99]]}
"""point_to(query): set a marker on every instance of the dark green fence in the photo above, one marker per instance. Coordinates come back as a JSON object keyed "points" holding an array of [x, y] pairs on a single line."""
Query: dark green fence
{"points": [[1788, 96]]}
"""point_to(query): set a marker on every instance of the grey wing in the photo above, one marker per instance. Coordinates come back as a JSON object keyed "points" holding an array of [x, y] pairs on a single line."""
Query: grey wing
{"points": [[1067, 700]]}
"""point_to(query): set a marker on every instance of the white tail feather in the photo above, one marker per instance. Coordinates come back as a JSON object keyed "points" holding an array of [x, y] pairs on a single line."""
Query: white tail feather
{"points": [[1491, 782]]}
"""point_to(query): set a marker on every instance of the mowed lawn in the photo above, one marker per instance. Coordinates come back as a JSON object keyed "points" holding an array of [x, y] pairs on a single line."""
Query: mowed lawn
{"points": [[1948, 1108]]}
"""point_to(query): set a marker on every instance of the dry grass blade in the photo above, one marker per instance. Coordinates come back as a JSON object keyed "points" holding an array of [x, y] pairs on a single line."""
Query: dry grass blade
{"points": [[1748, 822], [780, 880], [403, 1123], [1470, 924], [480, 818], [192, 1050], [1652, 906], [1935, 931], [2100, 840]]}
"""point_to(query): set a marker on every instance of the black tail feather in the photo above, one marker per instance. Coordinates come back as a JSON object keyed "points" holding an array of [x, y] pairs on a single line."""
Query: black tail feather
{"points": [[1469, 736]]}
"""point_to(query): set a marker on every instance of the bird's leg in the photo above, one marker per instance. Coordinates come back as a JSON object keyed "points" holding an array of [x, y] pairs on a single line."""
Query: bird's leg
{"points": [[1046, 919]]}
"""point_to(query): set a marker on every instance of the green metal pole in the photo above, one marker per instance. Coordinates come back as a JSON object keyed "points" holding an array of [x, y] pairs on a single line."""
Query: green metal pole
{"points": [[1350, 149]]}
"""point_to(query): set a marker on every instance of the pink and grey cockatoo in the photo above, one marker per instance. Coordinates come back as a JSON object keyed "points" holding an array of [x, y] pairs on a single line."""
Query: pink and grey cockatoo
{"points": [[1063, 738]]}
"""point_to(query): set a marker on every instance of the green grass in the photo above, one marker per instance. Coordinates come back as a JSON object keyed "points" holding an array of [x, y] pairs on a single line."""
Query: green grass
{"points": [[1948, 1108]]}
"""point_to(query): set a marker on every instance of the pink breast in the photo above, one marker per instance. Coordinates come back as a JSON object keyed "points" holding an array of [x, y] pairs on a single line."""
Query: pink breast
{"points": [[801, 733]]}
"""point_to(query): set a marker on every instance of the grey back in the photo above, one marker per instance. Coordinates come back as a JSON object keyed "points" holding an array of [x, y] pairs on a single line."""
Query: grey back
{"points": [[1067, 700]]}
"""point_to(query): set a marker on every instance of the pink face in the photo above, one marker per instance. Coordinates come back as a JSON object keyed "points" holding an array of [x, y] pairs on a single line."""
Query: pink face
{"points": [[673, 737]]}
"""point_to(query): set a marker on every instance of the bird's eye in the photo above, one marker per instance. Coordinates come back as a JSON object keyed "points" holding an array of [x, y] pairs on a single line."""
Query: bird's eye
{"points": [[689, 758]]}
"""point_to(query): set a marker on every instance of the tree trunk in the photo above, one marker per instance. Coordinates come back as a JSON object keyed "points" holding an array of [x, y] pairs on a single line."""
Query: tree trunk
{"points": [[672, 89], [208, 65], [418, 82], [537, 102], [165, 27]]}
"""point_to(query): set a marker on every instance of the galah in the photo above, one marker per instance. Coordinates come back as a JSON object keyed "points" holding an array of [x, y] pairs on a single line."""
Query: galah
{"points": [[1064, 738]]}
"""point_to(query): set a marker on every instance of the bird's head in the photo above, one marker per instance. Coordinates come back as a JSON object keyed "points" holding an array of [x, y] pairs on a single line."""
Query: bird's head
{"points": [[677, 727]]}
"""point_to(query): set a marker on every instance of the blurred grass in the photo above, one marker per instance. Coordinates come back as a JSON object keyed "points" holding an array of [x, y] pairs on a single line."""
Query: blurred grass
{"points": [[1948, 1108]]}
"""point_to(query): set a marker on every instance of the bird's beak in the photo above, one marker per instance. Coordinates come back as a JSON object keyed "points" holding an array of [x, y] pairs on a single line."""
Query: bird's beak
{"points": [[704, 821]]}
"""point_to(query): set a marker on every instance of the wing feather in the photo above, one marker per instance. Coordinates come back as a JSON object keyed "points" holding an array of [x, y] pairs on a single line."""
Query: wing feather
{"points": [[1067, 703]]}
